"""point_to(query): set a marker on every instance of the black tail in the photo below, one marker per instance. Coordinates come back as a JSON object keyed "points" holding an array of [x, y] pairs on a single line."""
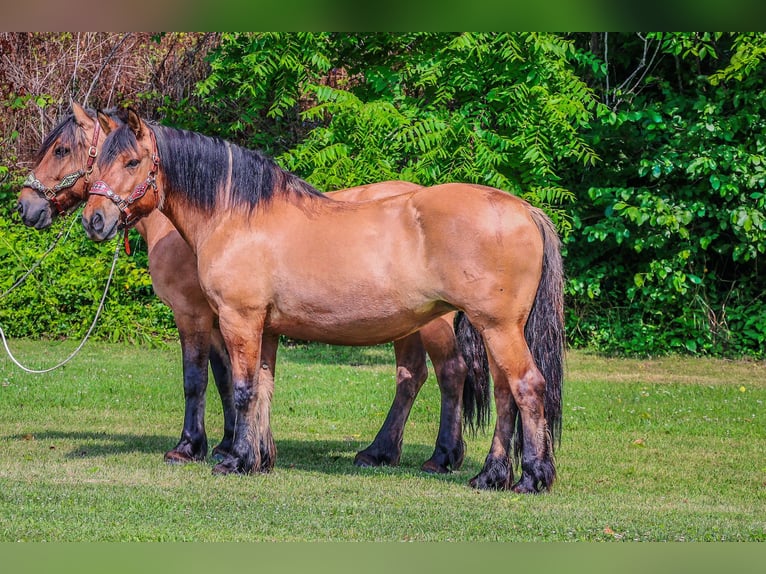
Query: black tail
{"points": [[544, 331], [476, 390]]}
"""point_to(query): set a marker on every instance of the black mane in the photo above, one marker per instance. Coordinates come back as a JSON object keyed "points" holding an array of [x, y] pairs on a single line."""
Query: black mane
{"points": [[68, 133], [197, 166]]}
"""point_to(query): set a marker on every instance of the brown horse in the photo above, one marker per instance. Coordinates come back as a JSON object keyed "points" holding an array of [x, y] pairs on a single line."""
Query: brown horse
{"points": [[276, 256], [76, 141]]}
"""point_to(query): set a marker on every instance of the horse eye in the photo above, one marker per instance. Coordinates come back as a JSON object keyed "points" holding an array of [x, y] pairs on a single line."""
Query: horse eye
{"points": [[61, 151], [132, 163]]}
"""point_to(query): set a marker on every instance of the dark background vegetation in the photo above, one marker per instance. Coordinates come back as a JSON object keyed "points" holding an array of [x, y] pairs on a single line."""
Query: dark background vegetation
{"points": [[647, 149]]}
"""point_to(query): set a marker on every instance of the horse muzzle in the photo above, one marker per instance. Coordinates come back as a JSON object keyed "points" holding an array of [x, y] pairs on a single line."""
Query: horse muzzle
{"points": [[35, 211], [99, 224]]}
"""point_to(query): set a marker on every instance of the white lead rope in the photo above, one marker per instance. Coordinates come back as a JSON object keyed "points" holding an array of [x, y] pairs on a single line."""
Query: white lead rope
{"points": [[87, 335]]}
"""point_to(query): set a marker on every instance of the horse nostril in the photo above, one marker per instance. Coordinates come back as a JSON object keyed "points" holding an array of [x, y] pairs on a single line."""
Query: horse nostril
{"points": [[20, 208], [97, 223]]}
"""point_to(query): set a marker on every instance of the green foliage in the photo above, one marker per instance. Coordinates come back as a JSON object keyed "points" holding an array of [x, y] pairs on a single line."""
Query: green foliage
{"points": [[60, 297], [666, 250], [749, 52], [253, 92], [494, 109], [346, 109]]}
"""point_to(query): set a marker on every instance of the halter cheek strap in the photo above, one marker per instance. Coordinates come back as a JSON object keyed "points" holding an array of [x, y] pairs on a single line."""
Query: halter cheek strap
{"points": [[127, 218]]}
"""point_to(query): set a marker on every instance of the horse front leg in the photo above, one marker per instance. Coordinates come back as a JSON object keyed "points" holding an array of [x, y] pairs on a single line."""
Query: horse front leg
{"points": [[253, 448], [195, 345], [220, 364]]}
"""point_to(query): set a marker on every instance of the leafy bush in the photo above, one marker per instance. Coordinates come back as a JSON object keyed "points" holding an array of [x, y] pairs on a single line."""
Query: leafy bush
{"points": [[671, 229], [348, 109], [60, 297]]}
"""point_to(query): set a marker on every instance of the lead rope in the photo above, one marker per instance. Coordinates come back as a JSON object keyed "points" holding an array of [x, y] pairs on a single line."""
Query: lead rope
{"points": [[87, 335], [64, 233]]}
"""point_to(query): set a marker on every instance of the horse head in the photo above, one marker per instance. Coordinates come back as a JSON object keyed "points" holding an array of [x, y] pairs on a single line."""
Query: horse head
{"points": [[63, 169], [128, 168]]}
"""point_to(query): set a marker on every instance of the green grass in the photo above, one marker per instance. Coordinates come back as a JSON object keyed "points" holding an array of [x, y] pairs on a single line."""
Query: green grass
{"points": [[671, 449]]}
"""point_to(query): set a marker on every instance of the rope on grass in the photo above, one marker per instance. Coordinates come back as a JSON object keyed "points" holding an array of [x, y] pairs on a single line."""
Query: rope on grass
{"points": [[87, 335]]}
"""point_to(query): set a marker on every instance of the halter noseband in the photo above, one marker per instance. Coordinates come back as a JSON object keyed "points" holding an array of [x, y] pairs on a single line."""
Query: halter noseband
{"points": [[128, 219], [51, 193]]}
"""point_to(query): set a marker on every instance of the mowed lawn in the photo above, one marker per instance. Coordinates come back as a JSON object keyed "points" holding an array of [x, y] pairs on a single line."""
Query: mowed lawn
{"points": [[670, 449]]}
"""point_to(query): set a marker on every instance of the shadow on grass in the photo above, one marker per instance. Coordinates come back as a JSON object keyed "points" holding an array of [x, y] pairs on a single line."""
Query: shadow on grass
{"points": [[96, 444], [320, 456], [337, 458]]}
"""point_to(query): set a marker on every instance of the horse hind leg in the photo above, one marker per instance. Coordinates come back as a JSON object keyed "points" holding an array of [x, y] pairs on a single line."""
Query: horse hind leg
{"points": [[497, 472], [450, 368], [411, 373], [518, 384]]}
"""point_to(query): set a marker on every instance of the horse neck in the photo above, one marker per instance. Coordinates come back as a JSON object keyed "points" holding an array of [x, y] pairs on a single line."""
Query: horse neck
{"points": [[191, 222], [154, 227]]}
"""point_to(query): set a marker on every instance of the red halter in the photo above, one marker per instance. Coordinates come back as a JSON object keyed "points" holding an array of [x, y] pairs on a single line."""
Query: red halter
{"points": [[128, 219]]}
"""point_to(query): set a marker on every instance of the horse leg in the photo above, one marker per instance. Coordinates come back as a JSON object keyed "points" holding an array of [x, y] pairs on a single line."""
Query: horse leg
{"points": [[221, 367], [518, 384], [411, 373], [193, 443], [253, 449], [440, 344]]}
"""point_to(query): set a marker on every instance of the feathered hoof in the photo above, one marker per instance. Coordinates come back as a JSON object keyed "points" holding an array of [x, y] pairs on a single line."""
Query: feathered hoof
{"points": [[529, 485], [524, 487], [496, 475], [221, 451], [230, 465]]}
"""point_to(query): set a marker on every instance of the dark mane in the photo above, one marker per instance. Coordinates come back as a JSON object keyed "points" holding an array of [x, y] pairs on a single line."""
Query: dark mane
{"points": [[197, 166], [68, 133]]}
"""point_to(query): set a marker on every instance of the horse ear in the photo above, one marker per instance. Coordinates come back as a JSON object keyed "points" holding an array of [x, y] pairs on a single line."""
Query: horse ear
{"points": [[80, 115], [107, 123], [134, 122]]}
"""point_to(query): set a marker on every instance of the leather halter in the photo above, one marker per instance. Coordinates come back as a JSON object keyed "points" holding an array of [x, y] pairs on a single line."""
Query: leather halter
{"points": [[127, 218], [51, 193]]}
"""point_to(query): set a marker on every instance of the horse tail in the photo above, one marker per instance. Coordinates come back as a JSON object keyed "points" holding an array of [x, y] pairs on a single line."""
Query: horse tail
{"points": [[544, 331], [476, 389]]}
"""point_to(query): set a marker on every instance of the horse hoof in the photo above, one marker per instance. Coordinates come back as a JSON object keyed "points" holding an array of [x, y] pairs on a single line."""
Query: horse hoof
{"points": [[480, 483], [179, 457], [365, 459], [432, 467], [490, 481], [227, 466], [520, 488], [220, 453], [527, 484]]}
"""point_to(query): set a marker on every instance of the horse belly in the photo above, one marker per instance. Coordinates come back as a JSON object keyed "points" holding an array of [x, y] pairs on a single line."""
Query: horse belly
{"points": [[352, 321]]}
